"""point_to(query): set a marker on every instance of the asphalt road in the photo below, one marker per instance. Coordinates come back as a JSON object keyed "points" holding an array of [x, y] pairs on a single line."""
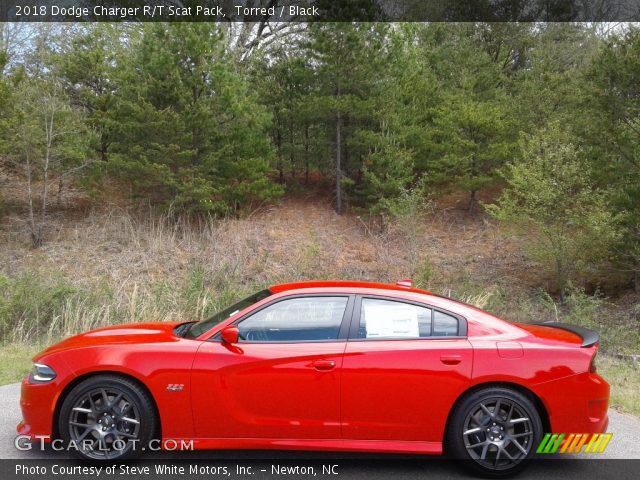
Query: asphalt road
{"points": [[625, 444]]}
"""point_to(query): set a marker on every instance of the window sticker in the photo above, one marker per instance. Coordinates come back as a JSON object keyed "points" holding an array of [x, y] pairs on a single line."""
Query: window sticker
{"points": [[391, 321]]}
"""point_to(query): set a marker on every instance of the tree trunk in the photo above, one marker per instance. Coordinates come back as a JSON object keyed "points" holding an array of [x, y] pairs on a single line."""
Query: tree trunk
{"points": [[472, 193], [472, 201], [338, 164], [103, 150], [338, 154], [306, 155], [60, 189], [279, 166], [346, 154], [37, 233], [292, 161], [562, 280], [294, 171], [36, 240]]}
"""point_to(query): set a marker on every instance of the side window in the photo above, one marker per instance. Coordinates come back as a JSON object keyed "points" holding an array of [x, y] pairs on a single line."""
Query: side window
{"points": [[444, 325], [391, 319], [297, 319], [388, 319]]}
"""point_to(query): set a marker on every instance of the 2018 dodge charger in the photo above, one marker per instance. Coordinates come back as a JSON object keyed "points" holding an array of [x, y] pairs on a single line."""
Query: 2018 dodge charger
{"points": [[329, 365]]}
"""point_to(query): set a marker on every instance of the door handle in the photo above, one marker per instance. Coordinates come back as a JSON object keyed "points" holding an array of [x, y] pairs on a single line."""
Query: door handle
{"points": [[451, 359], [324, 365]]}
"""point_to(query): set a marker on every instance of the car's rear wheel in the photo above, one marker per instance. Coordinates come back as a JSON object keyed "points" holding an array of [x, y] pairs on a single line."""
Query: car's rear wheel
{"points": [[495, 431], [107, 417]]}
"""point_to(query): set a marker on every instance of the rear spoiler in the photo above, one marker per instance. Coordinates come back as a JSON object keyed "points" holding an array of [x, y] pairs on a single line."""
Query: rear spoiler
{"points": [[589, 337]]}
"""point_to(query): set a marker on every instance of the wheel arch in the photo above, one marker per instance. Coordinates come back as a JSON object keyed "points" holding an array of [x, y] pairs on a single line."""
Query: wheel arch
{"points": [[535, 399], [85, 376]]}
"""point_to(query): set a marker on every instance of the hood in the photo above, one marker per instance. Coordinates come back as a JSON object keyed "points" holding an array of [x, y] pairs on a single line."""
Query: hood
{"points": [[131, 333], [561, 332]]}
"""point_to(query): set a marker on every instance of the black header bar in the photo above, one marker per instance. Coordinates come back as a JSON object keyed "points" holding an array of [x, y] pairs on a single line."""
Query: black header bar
{"points": [[320, 10]]}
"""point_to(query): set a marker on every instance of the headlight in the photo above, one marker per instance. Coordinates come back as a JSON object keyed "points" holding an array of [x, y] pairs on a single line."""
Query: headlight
{"points": [[41, 373]]}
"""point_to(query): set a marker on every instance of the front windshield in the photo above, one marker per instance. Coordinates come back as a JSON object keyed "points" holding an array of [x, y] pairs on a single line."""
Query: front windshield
{"points": [[199, 328]]}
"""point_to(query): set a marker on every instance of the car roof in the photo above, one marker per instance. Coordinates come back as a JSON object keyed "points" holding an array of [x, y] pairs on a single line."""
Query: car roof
{"points": [[360, 287], [283, 287]]}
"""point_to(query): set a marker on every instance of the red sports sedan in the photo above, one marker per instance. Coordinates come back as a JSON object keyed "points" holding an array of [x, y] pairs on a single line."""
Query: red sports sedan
{"points": [[348, 366]]}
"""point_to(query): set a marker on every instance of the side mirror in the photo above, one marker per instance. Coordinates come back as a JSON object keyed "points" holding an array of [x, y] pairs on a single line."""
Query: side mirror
{"points": [[230, 335]]}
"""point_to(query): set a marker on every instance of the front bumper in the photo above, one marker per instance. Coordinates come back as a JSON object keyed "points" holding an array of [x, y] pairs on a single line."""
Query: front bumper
{"points": [[37, 403]]}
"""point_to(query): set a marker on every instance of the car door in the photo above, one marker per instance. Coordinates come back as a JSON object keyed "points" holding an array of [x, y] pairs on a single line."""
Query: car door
{"points": [[404, 366], [282, 378]]}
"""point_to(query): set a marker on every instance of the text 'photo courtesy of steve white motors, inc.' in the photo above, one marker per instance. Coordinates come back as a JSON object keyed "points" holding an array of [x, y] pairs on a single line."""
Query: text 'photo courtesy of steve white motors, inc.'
{"points": [[176, 470]]}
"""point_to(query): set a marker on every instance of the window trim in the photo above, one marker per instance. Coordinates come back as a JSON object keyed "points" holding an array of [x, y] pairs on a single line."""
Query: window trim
{"points": [[357, 312], [342, 332]]}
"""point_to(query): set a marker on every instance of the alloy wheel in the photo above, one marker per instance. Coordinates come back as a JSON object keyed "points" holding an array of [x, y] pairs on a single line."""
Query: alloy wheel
{"points": [[104, 423], [498, 433]]}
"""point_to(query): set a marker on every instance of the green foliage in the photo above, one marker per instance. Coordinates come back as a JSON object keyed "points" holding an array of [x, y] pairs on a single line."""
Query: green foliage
{"points": [[43, 304], [199, 119], [407, 212], [44, 135], [619, 334], [30, 300], [347, 58], [579, 308], [613, 135], [472, 129], [44, 127], [285, 82], [424, 275], [552, 88], [566, 220], [386, 173], [189, 120], [624, 378], [89, 66], [15, 361], [474, 137]]}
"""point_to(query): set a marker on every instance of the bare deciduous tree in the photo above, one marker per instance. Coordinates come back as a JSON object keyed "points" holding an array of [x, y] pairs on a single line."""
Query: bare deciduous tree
{"points": [[50, 140]]}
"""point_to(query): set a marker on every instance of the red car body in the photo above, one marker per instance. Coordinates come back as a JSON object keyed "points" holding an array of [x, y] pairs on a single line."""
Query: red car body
{"points": [[347, 395]]}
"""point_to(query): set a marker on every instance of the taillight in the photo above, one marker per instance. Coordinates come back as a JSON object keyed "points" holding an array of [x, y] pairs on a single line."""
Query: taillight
{"points": [[592, 367]]}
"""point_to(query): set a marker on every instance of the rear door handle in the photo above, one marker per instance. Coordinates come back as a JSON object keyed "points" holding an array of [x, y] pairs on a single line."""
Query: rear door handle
{"points": [[451, 359], [324, 365]]}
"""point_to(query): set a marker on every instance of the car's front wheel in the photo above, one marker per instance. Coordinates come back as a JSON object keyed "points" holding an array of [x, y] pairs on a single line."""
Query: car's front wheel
{"points": [[495, 431], [107, 417]]}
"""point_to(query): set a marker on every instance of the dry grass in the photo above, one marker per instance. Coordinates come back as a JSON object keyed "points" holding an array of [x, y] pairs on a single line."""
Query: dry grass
{"points": [[114, 265], [624, 378], [148, 266], [101, 267]]}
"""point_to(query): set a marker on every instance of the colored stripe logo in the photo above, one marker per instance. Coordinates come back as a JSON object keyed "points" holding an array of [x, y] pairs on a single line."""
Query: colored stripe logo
{"points": [[574, 442]]}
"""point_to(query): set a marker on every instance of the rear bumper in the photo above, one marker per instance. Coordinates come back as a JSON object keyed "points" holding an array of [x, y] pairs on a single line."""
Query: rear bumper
{"points": [[576, 404]]}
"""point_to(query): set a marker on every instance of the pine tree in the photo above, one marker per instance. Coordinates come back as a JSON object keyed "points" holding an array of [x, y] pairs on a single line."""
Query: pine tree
{"points": [[612, 132], [88, 66], [189, 126], [347, 57]]}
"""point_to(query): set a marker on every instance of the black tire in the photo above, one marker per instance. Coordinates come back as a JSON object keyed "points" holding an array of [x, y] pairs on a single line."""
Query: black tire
{"points": [[114, 414], [494, 443]]}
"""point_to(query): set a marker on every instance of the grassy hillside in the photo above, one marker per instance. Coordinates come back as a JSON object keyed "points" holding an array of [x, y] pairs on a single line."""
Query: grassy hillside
{"points": [[113, 265]]}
